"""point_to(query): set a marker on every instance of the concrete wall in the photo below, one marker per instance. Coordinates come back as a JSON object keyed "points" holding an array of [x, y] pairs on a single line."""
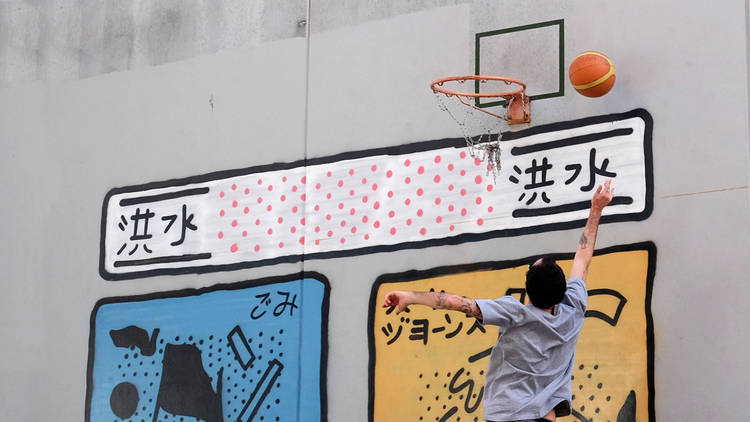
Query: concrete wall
{"points": [[96, 96]]}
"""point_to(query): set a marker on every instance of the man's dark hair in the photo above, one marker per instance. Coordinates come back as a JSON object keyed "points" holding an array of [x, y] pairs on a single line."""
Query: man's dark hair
{"points": [[545, 283]]}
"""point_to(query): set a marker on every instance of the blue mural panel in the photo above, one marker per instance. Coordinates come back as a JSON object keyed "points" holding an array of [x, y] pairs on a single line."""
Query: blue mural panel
{"points": [[249, 351]]}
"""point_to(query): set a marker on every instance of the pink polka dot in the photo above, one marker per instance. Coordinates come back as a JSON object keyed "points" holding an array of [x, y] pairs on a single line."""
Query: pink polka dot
{"points": [[407, 163], [317, 241], [221, 194], [247, 191], [407, 201], [295, 209], [451, 207], [317, 207], [489, 188], [303, 180], [391, 213], [364, 198], [260, 200], [234, 248], [451, 167], [390, 194], [340, 183], [283, 198], [328, 195], [302, 240], [376, 224], [244, 233], [234, 186], [423, 231], [420, 170], [364, 219], [463, 211], [234, 223], [260, 181], [303, 197], [221, 235], [269, 208], [246, 210], [437, 201], [393, 230], [452, 227], [367, 237], [478, 180], [256, 248], [477, 161], [329, 174], [374, 186], [420, 191], [439, 219], [330, 233], [343, 223], [221, 213], [376, 205], [480, 221], [490, 209], [293, 229], [389, 174], [354, 229], [436, 179], [478, 200], [437, 159], [281, 244], [234, 204], [317, 186], [317, 229], [257, 221], [283, 179], [280, 220], [463, 154], [463, 172], [341, 205], [407, 180], [351, 172], [270, 188], [408, 221], [364, 180], [420, 212], [270, 231], [450, 188], [342, 240], [351, 192], [463, 192], [352, 211], [328, 217], [374, 167], [294, 188]]}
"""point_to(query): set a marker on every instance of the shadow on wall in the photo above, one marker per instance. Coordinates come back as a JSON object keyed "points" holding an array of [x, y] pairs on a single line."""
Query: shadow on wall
{"points": [[42, 41]]}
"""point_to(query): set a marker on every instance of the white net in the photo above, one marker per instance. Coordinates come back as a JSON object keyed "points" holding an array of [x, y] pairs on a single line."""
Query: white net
{"points": [[481, 130]]}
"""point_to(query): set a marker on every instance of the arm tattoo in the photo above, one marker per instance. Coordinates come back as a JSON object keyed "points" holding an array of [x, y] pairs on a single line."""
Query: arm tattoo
{"points": [[470, 308], [583, 241], [440, 299]]}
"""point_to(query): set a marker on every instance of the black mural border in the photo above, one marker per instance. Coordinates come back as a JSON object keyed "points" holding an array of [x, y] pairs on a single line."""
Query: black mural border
{"points": [[219, 287], [394, 150], [413, 275]]}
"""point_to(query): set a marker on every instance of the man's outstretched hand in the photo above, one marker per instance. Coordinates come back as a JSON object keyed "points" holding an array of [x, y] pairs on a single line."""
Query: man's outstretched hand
{"points": [[603, 196], [398, 299]]}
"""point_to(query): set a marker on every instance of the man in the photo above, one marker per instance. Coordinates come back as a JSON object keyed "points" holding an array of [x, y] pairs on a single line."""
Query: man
{"points": [[529, 374]]}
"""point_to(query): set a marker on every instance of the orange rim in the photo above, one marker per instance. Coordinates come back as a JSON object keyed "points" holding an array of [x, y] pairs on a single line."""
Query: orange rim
{"points": [[437, 86]]}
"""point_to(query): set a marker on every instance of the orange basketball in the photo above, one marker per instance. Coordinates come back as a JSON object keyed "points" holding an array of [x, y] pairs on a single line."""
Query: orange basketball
{"points": [[592, 74]]}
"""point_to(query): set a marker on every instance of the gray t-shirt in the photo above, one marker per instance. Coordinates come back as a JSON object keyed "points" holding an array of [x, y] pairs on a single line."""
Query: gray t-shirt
{"points": [[531, 365]]}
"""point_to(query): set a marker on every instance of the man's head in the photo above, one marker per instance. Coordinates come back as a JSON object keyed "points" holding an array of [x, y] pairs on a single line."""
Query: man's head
{"points": [[545, 283]]}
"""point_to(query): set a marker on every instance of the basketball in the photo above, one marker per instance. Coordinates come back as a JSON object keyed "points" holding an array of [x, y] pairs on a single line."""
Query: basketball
{"points": [[592, 74]]}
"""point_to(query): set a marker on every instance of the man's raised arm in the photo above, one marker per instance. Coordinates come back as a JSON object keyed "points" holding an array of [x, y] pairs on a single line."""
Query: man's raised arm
{"points": [[585, 252], [437, 300]]}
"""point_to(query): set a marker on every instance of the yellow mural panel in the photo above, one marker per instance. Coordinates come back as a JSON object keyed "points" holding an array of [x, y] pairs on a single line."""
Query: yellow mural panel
{"points": [[429, 365]]}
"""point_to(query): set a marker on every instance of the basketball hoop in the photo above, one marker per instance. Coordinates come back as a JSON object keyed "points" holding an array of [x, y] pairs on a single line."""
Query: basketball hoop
{"points": [[478, 128]]}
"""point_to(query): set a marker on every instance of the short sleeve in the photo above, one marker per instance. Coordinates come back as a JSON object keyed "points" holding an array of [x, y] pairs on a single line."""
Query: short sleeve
{"points": [[503, 312], [576, 294]]}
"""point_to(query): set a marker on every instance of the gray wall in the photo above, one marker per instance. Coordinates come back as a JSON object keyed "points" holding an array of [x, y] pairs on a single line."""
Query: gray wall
{"points": [[101, 95]]}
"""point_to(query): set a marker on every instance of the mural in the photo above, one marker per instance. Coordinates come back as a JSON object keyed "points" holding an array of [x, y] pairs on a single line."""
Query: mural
{"points": [[429, 365], [410, 196], [249, 351]]}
